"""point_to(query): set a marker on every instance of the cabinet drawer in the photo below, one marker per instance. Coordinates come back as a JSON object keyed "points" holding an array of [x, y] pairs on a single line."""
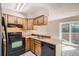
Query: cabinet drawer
{"points": [[37, 41]]}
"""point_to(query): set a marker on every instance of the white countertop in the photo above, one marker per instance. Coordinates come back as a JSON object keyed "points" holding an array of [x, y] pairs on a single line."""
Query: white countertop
{"points": [[51, 40], [48, 40]]}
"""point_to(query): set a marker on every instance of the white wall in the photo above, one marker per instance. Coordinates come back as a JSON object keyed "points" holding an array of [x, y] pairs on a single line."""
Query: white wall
{"points": [[38, 30], [52, 28], [60, 11]]}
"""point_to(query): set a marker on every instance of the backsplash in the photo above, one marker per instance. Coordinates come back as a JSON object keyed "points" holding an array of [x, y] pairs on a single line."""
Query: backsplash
{"points": [[39, 30]]}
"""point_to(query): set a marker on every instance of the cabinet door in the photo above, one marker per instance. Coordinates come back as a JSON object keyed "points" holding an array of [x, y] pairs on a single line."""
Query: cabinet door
{"points": [[19, 21], [25, 24], [27, 44], [30, 24], [32, 46], [11, 19], [40, 20], [37, 47], [45, 20], [35, 21]]}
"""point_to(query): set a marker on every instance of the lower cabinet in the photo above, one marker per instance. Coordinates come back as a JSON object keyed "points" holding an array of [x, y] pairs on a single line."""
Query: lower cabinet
{"points": [[37, 47], [32, 45], [40, 48], [27, 44]]}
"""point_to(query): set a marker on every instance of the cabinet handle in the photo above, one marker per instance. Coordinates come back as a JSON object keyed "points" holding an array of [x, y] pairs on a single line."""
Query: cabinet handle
{"points": [[51, 47]]}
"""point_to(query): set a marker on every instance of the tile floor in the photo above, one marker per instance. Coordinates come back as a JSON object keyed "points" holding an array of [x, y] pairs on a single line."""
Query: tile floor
{"points": [[70, 50], [29, 53], [66, 51]]}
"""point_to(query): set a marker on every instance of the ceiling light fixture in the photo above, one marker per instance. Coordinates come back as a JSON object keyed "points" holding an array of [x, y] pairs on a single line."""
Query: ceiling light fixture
{"points": [[22, 6], [18, 6]]}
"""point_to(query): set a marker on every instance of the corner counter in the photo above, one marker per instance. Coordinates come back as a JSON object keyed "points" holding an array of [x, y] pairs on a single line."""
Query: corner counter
{"points": [[51, 40]]}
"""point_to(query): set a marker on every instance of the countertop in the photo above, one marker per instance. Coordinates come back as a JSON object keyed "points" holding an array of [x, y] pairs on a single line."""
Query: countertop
{"points": [[51, 40]]}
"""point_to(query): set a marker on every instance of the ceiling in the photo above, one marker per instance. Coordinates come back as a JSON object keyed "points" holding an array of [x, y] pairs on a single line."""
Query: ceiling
{"points": [[54, 11]]}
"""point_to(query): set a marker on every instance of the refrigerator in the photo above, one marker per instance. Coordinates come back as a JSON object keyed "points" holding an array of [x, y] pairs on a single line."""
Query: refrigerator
{"points": [[0, 33]]}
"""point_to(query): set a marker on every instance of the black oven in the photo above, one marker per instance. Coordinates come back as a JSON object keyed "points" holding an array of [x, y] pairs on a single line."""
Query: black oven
{"points": [[15, 44]]}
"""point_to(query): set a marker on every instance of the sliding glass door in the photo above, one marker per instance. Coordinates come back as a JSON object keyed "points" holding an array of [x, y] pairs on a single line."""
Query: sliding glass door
{"points": [[65, 32], [75, 33], [70, 33]]}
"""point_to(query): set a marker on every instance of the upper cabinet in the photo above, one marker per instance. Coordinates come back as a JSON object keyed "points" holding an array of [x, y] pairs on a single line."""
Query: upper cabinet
{"points": [[40, 20], [30, 24], [45, 20], [19, 20], [25, 24], [11, 19]]}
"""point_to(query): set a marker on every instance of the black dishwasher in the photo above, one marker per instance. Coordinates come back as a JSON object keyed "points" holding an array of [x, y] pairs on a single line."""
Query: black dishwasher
{"points": [[48, 49]]}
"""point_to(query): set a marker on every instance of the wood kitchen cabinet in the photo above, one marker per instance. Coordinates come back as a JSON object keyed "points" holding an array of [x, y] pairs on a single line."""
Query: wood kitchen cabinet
{"points": [[30, 24], [40, 20], [37, 48], [35, 21], [32, 46], [40, 48], [11, 19], [45, 20], [25, 24], [27, 44], [19, 20]]}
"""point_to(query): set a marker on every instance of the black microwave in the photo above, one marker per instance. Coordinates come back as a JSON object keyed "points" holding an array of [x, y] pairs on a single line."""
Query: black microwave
{"points": [[14, 25]]}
